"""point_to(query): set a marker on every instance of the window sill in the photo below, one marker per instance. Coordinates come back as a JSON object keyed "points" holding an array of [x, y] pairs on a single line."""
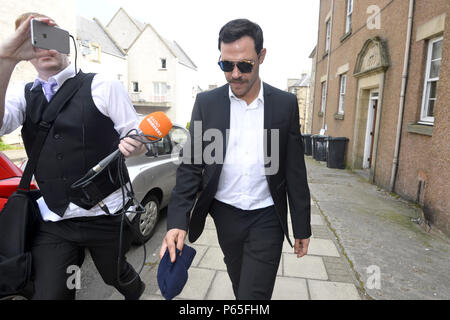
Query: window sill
{"points": [[339, 116], [162, 69], [418, 128], [345, 36]]}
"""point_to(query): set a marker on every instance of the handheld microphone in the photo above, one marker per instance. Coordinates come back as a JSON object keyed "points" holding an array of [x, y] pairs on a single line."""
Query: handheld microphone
{"points": [[156, 124], [154, 127]]}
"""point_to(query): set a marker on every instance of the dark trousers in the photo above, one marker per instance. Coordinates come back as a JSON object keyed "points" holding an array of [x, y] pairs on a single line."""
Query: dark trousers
{"points": [[59, 246], [251, 242]]}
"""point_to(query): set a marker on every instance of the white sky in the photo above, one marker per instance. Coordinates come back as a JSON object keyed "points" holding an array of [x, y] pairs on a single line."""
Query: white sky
{"points": [[289, 27]]}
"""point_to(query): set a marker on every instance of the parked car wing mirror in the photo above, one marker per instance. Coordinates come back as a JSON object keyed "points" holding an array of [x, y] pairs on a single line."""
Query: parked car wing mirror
{"points": [[152, 150]]}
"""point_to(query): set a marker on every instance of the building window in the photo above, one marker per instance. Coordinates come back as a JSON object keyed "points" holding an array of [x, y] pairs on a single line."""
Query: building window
{"points": [[348, 21], [324, 96], [434, 57], [163, 63], [328, 37], [160, 92], [135, 86], [95, 52], [342, 93]]}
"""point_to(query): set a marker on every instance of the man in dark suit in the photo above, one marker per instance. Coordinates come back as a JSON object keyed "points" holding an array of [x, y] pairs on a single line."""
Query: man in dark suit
{"points": [[244, 192]]}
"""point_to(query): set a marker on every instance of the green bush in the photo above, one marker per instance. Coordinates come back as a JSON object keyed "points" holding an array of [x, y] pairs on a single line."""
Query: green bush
{"points": [[4, 146]]}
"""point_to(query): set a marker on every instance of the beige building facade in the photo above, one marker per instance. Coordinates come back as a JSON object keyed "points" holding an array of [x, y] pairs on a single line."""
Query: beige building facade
{"points": [[312, 88], [98, 52], [161, 76], [382, 80], [301, 88]]}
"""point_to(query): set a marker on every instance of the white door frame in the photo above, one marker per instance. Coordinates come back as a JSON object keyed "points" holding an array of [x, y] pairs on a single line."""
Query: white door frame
{"points": [[370, 130]]}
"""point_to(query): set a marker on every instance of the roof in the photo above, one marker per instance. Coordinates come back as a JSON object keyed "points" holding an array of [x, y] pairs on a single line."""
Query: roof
{"points": [[173, 46], [140, 25], [91, 30], [183, 58], [313, 53], [304, 81]]}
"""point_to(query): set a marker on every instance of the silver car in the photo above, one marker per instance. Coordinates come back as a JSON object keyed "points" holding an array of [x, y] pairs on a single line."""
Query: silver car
{"points": [[153, 177]]}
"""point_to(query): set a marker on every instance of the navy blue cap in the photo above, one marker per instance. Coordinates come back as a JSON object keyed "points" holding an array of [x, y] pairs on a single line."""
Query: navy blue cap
{"points": [[173, 276]]}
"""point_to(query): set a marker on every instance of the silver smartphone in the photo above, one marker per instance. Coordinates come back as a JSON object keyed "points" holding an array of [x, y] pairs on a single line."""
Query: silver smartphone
{"points": [[50, 38]]}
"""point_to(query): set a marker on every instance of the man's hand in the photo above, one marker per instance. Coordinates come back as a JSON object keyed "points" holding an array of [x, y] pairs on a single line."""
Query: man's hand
{"points": [[301, 247], [174, 239], [18, 47], [131, 147]]}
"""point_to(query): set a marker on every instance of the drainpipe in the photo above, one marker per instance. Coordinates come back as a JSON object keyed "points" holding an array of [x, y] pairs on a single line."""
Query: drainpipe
{"points": [[401, 108], [328, 65]]}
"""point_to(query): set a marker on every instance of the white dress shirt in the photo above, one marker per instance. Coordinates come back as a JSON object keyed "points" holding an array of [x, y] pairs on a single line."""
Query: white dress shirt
{"points": [[242, 182], [110, 98]]}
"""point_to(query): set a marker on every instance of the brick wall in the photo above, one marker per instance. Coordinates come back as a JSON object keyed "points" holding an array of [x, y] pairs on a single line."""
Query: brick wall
{"points": [[423, 159]]}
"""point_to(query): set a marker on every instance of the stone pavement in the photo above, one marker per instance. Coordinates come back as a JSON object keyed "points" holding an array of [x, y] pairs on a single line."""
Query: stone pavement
{"points": [[365, 245], [323, 274], [392, 256]]}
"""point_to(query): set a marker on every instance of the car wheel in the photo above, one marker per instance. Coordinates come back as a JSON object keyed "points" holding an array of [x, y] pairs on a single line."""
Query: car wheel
{"points": [[149, 218]]}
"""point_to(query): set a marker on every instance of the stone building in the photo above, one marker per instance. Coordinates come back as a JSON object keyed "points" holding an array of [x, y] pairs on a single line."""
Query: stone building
{"points": [[309, 113], [301, 88], [98, 51], [161, 76], [382, 80]]}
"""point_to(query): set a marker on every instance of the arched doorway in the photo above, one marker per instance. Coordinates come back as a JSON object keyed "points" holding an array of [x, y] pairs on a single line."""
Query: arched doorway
{"points": [[371, 65]]}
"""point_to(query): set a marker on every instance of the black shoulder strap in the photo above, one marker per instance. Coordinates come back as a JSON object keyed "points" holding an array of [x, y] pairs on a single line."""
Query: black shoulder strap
{"points": [[62, 96], [69, 88]]}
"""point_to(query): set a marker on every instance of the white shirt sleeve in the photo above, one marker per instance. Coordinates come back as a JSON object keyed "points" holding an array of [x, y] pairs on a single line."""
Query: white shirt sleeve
{"points": [[113, 101], [15, 105]]}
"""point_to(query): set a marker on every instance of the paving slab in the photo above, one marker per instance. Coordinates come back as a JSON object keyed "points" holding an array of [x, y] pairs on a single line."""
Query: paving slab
{"points": [[221, 288], [322, 247], [152, 297], [209, 224], [290, 289], [201, 250], [317, 247], [197, 285], [311, 267], [327, 290], [207, 238], [317, 220], [213, 259], [321, 232]]}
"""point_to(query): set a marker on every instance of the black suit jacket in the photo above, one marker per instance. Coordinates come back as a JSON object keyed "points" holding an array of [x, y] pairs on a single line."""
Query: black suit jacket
{"points": [[197, 181]]}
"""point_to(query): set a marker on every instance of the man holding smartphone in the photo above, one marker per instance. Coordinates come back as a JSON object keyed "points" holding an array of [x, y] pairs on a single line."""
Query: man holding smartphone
{"points": [[88, 127]]}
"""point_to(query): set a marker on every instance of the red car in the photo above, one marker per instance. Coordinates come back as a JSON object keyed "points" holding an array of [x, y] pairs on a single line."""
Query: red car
{"points": [[10, 176]]}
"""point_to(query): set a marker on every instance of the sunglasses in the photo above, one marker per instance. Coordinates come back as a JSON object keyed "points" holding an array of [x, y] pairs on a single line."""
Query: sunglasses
{"points": [[244, 66]]}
